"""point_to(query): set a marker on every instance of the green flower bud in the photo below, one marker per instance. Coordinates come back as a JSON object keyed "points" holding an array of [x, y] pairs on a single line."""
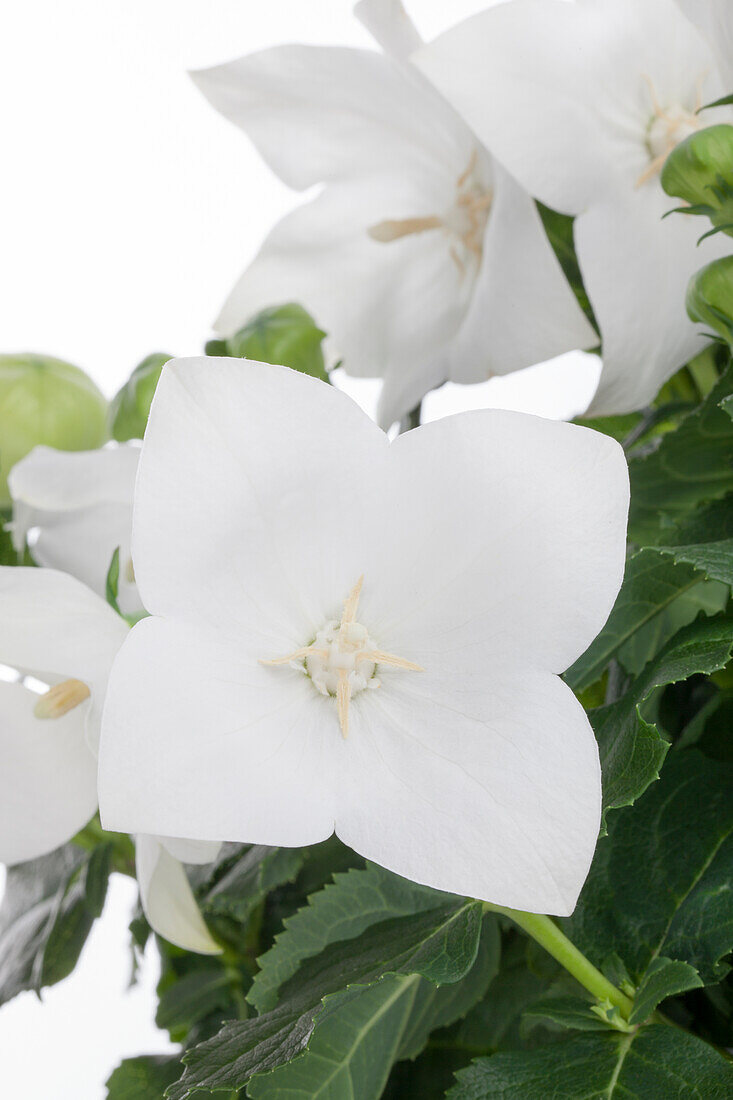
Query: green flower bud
{"points": [[700, 171], [130, 407], [287, 335], [710, 297], [44, 400]]}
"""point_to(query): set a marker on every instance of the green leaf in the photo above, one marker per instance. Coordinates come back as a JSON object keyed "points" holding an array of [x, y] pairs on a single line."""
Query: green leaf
{"points": [[632, 750], [655, 1063], [352, 1048], [561, 235], [724, 101], [240, 882], [342, 910], [495, 1022], [714, 559], [47, 912], [362, 1031], [567, 1012], [663, 978], [143, 1078], [692, 465], [287, 335], [192, 998], [660, 881], [653, 584], [130, 407], [440, 945]]}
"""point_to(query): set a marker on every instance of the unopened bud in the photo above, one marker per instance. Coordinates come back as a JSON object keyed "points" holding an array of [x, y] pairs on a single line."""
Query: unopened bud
{"points": [[44, 400], [700, 171], [710, 297], [130, 407], [287, 335]]}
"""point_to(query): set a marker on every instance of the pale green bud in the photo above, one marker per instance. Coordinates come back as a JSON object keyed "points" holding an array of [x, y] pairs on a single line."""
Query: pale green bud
{"points": [[287, 335], [700, 171], [710, 297], [44, 400], [130, 407]]}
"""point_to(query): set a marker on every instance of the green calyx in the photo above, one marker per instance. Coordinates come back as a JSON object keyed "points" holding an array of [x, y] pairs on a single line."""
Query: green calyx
{"points": [[286, 335], [130, 407], [700, 171], [710, 297], [45, 400]]}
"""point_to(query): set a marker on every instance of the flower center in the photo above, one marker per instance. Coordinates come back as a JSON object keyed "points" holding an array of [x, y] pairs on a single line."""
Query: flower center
{"points": [[464, 222], [342, 660], [667, 127]]}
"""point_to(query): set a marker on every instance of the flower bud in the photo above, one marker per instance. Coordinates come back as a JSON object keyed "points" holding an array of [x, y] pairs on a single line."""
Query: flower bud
{"points": [[287, 335], [44, 400], [130, 407], [710, 297], [700, 171]]}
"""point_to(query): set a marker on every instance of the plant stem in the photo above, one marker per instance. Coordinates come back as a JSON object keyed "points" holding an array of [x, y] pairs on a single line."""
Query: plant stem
{"points": [[412, 420], [555, 942]]}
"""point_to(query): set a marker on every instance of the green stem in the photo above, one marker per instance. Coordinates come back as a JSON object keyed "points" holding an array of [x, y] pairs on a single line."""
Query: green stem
{"points": [[412, 420], [556, 943]]}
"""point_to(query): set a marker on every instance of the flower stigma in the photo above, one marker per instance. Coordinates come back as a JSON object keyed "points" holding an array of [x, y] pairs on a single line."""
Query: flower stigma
{"points": [[342, 659], [61, 698], [464, 222], [667, 127]]}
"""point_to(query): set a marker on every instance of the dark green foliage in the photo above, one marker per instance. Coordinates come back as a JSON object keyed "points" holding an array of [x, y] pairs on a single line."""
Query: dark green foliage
{"points": [[47, 912]]}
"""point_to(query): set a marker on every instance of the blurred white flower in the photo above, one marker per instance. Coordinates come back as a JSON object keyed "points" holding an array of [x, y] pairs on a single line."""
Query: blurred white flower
{"points": [[365, 636], [57, 644], [75, 509], [600, 92], [715, 19], [421, 256]]}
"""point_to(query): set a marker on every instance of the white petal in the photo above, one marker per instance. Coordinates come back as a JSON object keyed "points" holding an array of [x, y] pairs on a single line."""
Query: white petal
{"points": [[249, 473], [517, 75], [167, 898], [491, 792], [505, 543], [389, 25], [522, 310], [191, 851], [636, 269], [321, 113], [48, 777], [52, 623], [392, 309], [200, 740], [715, 19], [560, 92], [79, 505], [55, 481]]}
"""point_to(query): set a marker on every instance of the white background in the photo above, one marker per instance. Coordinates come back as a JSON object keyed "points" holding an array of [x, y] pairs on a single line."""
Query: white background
{"points": [[127, 210]]}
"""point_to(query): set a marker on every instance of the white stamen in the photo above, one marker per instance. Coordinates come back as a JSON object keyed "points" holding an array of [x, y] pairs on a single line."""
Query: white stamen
{"points": [[465, 222], [342, 659], [667, 128], [61, 698]]}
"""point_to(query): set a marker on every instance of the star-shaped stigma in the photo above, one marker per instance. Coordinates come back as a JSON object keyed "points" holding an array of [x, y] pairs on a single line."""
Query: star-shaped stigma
{"points": [[342, 659]]}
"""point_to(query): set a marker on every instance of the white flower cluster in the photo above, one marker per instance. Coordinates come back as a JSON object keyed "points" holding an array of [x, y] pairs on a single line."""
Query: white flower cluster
{"points": [[289, 556]]}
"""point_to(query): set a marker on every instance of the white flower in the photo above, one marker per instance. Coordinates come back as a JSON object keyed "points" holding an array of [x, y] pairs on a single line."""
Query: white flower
{"points": [[486, 548], [715, 19], [600, 92], [420, 256], [57, 644], [75, 509]]}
